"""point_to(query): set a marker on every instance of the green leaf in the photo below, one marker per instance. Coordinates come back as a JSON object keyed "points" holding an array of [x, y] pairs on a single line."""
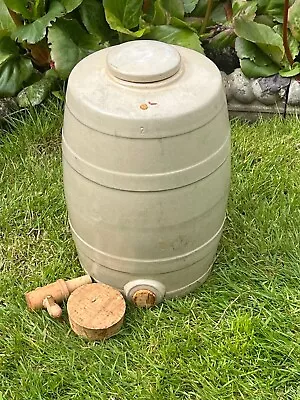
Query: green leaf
{"points": [[244, 9], [264, 36], [29, 9], [160, 16], [223, 39], [34, 77], [274, 8], [123, 15], [265, 20], [292, 71], [174, 7], [36, 31], [251, 70], [59, 94], [22, 7], [179, 23], [70, 5], [218, 14], [246, 49], [294, 19], [6, 22], [164, 10], [189, 5], [293, 43], [69, 43], [173, 35], [39, 8], [37, 92], [8, 49], [254, 63], [194, 22], [93, 18], [13, 73], [201, 7]]}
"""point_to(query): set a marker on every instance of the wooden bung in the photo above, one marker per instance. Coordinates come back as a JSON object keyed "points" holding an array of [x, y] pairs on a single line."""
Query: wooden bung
{"points": [[96, 311], [144, 298]]}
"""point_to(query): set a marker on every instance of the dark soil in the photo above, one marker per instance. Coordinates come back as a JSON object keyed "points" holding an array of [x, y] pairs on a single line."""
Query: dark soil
{"points": [[7, 106], [225, 59]]}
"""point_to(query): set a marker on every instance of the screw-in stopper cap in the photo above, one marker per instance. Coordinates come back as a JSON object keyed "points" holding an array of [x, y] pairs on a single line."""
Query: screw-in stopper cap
{"points": [[143, 61]]}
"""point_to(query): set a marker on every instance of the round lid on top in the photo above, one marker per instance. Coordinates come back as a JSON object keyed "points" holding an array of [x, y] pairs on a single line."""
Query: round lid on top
{"points": [[143, 61], [143, 101]]}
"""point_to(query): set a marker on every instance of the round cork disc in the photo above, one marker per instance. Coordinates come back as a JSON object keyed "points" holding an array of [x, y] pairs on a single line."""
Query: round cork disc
{"points": [[96, 311]]}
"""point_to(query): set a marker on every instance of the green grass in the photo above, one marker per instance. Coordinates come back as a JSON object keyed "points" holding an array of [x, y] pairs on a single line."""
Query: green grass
{"points": [[237, 337]]}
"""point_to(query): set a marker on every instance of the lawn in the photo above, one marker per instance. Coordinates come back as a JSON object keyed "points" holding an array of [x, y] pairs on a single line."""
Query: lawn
{"points": [[237, 337]]}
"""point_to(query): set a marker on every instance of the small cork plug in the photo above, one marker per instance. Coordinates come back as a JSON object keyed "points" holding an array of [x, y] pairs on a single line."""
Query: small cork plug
{"points": [[50, 296], [144, 298]]}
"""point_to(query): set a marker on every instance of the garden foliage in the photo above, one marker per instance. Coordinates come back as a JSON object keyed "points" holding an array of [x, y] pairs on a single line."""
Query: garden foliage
{"points": [[42, 40]]}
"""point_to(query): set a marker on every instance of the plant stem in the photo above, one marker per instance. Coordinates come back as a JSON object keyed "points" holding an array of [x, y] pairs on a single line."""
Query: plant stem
{"points": [[228, 10], [285, 33], [146, 5], [207, 16]]}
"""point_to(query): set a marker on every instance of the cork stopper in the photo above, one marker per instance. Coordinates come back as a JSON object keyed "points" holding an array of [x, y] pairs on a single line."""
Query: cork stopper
{"points": [[144, 298], [96, 311]]}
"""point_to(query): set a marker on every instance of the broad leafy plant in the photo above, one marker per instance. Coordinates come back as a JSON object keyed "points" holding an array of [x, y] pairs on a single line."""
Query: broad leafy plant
{"points": [[42, 40]]}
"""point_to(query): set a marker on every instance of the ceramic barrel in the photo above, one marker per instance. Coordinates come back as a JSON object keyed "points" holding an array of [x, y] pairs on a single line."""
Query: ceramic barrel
{"points": [[146, 160]]}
